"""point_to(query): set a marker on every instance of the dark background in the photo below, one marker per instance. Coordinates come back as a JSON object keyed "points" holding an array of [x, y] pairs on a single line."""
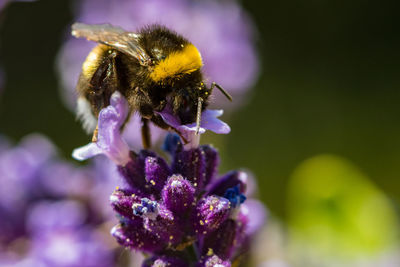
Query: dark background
{"points": [[329, 83]]}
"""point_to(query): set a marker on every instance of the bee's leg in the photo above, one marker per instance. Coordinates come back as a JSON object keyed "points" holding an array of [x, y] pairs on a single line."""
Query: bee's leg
{"points": [[146, 136], [225, 93], [198, 115], [185, 141], [95, 133]]}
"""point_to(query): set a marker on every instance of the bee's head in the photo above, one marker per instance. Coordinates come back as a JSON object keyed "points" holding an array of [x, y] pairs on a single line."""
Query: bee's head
{"points": [[176, 64], [185, 101]]}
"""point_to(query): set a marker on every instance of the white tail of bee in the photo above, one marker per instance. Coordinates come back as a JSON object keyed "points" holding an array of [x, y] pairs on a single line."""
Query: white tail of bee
{"points": [[85, 115]]}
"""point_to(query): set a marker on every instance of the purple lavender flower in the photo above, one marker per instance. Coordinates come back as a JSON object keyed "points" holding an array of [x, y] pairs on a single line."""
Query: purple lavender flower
{"points": [[177, 212], [184, 215]]}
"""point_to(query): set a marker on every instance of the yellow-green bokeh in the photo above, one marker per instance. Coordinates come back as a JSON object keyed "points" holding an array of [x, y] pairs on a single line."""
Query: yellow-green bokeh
{"points": [[336, 212]]}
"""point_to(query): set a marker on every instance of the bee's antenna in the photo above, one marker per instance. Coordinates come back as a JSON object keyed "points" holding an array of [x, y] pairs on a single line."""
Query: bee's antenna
{"points": [[225, 93], [198, 117]]}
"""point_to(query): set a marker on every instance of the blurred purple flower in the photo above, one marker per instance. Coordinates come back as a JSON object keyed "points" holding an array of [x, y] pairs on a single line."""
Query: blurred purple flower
{"points": [[60, 237], [19, 171], [45, 216], [39, 225]]}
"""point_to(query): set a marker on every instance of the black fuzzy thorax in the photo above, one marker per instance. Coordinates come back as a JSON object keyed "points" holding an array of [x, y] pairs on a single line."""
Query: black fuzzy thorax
{"points": [[147, 96], [158, 36]]}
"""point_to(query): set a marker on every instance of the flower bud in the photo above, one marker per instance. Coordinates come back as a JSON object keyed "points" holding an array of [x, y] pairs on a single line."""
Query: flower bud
{"points": [[122, 201], [191, 165], [165, 227], [211, 213], [229, 180], [156, 172], [134, 171], [178, 194], [136, 238], [212, 162], [222, 241]]}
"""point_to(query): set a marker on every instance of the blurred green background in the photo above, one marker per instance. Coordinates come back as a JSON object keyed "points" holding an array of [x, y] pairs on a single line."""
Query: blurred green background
{"points": [[329, 83]]}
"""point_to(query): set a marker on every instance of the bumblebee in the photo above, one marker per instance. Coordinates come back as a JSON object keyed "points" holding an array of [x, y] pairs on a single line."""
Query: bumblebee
{"points": [[150, 68]]}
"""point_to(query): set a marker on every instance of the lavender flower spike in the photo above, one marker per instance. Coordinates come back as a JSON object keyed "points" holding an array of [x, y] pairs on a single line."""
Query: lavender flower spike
{"points": [[184, 223], [109, 140], [209, 121]]}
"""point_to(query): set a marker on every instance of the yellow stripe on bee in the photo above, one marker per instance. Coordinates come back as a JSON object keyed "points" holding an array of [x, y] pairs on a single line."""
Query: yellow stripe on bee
{"points": [[181, 62], [93, 60]]}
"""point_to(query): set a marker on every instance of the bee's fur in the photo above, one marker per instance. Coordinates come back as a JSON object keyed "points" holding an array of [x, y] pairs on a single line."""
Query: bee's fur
{"points": [[173, 75]]}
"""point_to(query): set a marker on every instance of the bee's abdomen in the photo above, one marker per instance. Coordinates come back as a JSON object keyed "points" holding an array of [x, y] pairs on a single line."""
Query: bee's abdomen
{"points": [[99, 78], [93, 60]]}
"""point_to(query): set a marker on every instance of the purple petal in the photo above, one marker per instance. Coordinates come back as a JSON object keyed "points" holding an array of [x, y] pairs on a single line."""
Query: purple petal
{"points": [[210, 122], [169, 117], [109, 140], [88, 151]]}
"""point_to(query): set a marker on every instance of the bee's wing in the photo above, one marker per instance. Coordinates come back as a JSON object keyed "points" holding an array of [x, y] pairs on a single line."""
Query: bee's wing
{"points": [[116, 37]]}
